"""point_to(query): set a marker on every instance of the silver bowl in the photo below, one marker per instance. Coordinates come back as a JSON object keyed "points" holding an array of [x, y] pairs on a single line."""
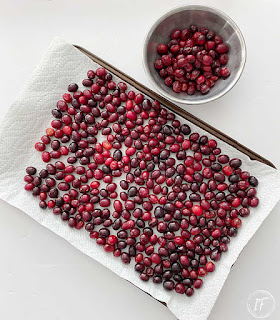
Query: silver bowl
{"points": [[201, 16]]}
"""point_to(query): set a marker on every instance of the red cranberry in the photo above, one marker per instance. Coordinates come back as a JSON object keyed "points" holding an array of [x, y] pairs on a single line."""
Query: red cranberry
{"points": [[225, 72], [185, 54], [162, 48]]}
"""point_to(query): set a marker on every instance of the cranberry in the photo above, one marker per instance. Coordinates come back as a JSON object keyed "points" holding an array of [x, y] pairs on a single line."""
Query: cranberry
{"points": [[204, 89], [210, 267], [207, 60], [225, 72], [197, 210], [188, 52], [253, 181], [223, 58], [31, 171], [168, 285], [222, 48], [162, 48], [254, 201]]}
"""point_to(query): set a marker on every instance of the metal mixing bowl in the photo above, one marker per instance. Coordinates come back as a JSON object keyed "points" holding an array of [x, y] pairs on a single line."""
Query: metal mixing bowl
{"points": [[201, 16]]}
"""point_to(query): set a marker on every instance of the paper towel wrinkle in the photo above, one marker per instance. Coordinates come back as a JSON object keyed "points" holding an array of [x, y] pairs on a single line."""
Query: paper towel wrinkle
{"points": [[25, 123]]}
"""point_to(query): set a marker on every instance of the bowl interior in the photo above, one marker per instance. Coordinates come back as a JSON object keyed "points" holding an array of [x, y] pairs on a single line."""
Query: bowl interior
{"points": [[182, 18]]}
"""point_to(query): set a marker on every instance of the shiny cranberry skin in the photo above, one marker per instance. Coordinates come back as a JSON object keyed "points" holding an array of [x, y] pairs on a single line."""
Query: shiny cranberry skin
{"points": [[180, 288], [162, 48], [225, 72], [236, 222], [215, 255], [244, 212], [253, 181], [222, 48], [254, 201], [223, 58], [168, 285], [210, 267]]}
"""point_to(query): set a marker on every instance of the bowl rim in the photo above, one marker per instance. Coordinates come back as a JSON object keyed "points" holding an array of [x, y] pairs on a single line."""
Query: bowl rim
{"points": [[194, 7]]}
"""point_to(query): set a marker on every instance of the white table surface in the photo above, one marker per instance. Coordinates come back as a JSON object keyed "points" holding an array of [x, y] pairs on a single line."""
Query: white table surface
{"points": [[41, 275]]}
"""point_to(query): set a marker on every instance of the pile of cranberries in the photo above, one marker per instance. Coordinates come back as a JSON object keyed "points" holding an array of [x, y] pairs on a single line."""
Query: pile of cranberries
{"points": [[140, 182], [193, 60]]}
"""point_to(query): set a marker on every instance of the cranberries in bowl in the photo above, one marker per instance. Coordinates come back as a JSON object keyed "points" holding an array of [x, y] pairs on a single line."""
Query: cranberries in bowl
{"points": [[194, 54], [193, 60]]}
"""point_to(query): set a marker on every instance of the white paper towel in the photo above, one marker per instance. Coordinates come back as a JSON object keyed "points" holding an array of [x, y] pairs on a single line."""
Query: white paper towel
{"points": [[26, 122]]}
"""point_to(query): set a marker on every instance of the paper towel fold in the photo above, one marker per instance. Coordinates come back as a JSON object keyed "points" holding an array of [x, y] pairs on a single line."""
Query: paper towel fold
{"points": [[25, 123]]}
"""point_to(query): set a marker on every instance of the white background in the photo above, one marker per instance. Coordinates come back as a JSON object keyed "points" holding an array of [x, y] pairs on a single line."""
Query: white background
{"points": [[41, 275]]}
